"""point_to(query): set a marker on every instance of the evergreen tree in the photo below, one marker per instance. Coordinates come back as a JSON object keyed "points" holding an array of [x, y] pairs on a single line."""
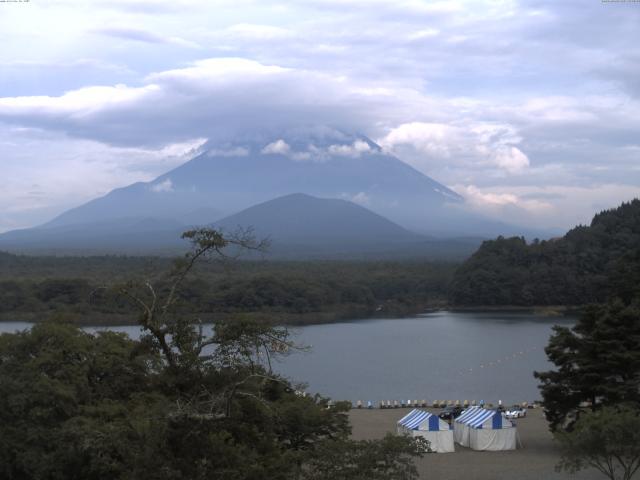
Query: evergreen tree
{"points": [[598, 363]]}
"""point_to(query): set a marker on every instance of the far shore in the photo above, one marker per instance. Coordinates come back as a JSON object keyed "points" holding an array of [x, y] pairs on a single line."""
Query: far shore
{"points": [[95, 319]]}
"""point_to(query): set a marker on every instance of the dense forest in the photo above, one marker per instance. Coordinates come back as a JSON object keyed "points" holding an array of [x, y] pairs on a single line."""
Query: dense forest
{"points": [[588, 265], [34, 288]]}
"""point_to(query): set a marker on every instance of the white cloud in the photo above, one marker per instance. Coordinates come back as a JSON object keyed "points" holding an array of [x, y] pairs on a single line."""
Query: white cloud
{"points": [[356, 149], [208, 70], [317, 154], [424, 33], [492, 199], [145, 36], [78, 103], [279, 147], [361, 198], [472, 144], [547, 206], [251, 31], [510, 159], [162, 187], [431, 138]]}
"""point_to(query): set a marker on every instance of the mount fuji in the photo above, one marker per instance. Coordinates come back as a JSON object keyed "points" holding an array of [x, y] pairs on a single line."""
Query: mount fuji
{"points": [[224, 179]]}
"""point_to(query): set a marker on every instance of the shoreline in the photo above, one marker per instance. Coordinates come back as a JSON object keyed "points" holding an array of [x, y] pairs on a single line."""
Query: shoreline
{"points": [[289, 319]]}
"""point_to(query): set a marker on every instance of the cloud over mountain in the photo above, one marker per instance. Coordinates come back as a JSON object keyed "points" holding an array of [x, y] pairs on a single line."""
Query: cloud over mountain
{"points": [[494, 95]]}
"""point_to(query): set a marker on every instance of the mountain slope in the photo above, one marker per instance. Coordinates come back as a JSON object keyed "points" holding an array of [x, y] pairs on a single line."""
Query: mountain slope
{"points": [[303, 219], [337, 166], [125, 235], [304, 227], [299, 226]]}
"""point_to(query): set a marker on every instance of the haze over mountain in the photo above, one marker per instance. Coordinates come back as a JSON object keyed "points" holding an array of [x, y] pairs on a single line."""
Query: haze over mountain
{"points": [[225, 179], [324, 163], [297, 225]]}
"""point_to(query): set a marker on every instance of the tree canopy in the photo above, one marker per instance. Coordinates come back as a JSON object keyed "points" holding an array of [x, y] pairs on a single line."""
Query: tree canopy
{"points": [[597, 360], [588, 265], [180, 403], [607, 440]]}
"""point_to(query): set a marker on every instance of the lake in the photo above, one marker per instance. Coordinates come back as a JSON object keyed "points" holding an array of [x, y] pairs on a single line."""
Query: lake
{"points": [[443, 355]]}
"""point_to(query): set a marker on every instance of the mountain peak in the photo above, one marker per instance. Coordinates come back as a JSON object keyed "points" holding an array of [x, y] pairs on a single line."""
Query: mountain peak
{"points": [[319, 161]]}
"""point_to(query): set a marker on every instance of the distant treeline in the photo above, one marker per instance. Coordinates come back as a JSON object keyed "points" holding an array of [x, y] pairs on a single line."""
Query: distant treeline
{"points": [[34, 288], [588, 265]]}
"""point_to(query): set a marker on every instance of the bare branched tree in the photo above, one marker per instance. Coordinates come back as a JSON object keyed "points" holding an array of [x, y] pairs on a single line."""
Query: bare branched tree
{"points": [[184, 344]]}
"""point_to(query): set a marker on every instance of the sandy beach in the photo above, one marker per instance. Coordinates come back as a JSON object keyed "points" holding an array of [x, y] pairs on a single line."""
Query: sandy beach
{"points": [[534, 461]]}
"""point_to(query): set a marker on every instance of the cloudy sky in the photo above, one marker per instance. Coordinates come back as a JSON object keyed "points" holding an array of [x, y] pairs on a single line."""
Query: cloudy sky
{"points": [[529, 109]]}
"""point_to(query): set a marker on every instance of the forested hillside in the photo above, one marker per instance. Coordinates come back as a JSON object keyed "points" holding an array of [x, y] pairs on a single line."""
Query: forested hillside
{"points": [[589, 264], [34, 288]]}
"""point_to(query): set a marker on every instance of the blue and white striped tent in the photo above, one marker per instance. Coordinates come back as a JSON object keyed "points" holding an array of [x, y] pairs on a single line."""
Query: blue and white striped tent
{"points": [[460, 428], [484, 429], [420, 423]]}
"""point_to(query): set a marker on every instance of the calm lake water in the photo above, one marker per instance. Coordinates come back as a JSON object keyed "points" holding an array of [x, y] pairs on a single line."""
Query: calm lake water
{"points": [[434, 356]]}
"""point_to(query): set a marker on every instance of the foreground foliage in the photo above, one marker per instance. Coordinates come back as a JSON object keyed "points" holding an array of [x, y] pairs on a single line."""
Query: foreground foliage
{"points": [[181, 403], [607, 440], [598, 363]]}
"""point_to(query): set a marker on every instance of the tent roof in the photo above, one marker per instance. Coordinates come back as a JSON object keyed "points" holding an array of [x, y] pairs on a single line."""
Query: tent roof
{"points": [[416, 417], [477, 418], [469, 412]]}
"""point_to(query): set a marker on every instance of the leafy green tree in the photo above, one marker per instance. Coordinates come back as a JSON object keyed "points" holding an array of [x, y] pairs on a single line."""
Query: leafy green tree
{"points": [[63, 395], [607, 440], [181, 403], [391, 457], [598, 363]]}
